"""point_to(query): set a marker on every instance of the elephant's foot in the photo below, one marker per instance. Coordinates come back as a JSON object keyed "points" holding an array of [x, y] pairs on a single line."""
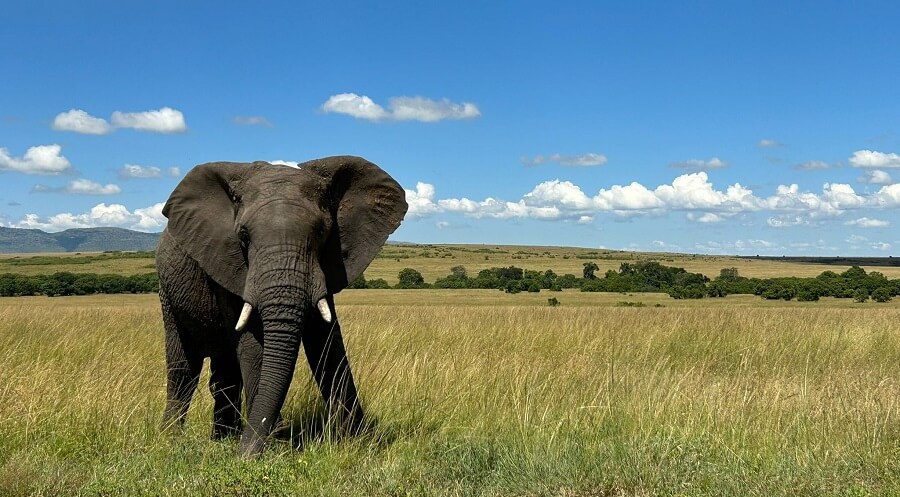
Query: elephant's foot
{"points": [[171, 423], [220, 432], [251, 445], [350, 421], [226, 423]]}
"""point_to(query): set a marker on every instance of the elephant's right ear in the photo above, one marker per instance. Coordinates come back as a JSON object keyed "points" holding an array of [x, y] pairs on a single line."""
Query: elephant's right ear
{"points": [[201, 212]]}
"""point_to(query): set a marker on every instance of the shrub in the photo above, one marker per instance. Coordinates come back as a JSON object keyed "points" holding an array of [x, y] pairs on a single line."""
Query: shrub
{"points": [[552, 302], [860, 295], [358, 283], [410, 278], [377, 284], [881, 295]]}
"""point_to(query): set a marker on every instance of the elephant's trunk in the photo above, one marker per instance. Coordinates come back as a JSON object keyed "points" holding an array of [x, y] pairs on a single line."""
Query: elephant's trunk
{"points": [[283, 296]]}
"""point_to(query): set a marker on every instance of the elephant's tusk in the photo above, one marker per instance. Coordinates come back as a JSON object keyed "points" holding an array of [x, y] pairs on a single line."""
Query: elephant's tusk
{"points": [[324, 310], [245, 316]]}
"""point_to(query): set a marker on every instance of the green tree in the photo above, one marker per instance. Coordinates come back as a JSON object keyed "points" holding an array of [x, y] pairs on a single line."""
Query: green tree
{"points": [[410, 278], [881, 294], [728, 274], [358, 283], [378, 284], [589, 268], [459, 272], [861, 295]]}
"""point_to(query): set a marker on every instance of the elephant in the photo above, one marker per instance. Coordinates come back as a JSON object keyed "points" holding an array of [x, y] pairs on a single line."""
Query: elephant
{"points": [[248, 265]]}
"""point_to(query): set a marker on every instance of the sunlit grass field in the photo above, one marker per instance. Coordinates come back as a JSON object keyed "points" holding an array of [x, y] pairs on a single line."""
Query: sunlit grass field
{"points": [[478, 392]]}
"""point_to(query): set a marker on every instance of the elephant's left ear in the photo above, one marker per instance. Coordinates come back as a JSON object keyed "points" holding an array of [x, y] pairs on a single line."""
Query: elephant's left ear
{"points": [[366, 204]]}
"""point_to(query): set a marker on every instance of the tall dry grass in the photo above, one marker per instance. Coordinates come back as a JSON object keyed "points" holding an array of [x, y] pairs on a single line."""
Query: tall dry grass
{"points": [[478, 400]]}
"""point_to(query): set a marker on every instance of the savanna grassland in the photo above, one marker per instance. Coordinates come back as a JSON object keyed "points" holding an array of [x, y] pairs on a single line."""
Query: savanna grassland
{"points": [[479, 392]]}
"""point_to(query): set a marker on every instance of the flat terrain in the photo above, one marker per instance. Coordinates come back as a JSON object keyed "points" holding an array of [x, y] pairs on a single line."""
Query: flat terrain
{"points": [[435, 261], [479, 392]]}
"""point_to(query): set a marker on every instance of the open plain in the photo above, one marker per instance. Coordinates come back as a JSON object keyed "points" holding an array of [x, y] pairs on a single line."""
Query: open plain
{"points": [[479, 392]]}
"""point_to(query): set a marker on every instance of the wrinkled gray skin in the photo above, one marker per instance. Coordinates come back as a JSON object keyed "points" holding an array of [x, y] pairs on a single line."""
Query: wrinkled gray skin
{"points": [[280, 239]]}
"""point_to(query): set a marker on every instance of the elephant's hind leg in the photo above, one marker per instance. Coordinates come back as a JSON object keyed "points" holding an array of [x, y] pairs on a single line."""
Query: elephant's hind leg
{"points": [[225, 385]]}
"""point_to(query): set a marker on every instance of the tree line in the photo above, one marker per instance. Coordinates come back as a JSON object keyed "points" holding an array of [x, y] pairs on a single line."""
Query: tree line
{"points": [[65, 283], [636, 277], [651, 276]]}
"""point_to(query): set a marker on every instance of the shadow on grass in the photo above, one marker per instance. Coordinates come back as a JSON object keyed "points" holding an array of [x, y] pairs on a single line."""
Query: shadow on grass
{"points": [[307, 424]]}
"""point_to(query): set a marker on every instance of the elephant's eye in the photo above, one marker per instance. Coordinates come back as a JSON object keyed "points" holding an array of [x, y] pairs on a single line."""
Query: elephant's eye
{"points": [[244, 236]]}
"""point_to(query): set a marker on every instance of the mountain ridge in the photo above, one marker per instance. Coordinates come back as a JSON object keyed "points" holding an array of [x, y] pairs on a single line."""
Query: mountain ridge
{"points": [[25, 240]]}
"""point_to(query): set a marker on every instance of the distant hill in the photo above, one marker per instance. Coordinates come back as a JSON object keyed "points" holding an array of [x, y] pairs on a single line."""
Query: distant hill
{"points": [[16, 240], [831, 260]]}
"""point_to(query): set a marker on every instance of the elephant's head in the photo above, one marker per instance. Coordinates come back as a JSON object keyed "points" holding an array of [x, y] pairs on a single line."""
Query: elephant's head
{"points": [[284, 240]]}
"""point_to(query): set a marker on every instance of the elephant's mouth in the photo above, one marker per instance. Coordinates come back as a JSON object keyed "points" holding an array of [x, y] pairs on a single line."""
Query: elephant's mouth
{"points": [[321, 305]]}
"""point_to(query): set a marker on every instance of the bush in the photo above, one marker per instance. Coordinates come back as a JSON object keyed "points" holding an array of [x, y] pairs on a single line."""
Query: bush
{"points": [[377, 284], [881, 295], [410, 278], [692, 291], [358, 283], [860, 295], [552, 302]]}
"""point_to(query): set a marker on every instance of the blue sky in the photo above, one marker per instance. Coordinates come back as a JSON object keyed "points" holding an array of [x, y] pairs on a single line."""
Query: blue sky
{"points": [[709, 127]]}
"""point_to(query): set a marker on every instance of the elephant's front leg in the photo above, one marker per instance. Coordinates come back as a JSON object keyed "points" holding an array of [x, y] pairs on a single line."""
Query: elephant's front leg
{"points": [[225, 386], [327, 357], [183, 364]]}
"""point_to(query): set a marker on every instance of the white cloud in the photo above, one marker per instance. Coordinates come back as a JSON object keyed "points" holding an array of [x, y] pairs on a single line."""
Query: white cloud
{"points": [[706, 217], [632, 197], [41, 159], [881, 246], [150, 218], [871, 158], [813, 165], [251, 121], [441, 224], [738, 246], [497, 209], [865, 222], [834, 200], [164, 120], [360, 107], [80, 186], [888, 196], [695, 192], [421, 200], [700, 165], [288, 163], [83, 186], [423, 109], [116, 215], [856, 239], [691, 193], [136, 171], [875, 177], [557, 192], [767, 143], [174, 171], [400, 108], [589, 159], [79, 121]]}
